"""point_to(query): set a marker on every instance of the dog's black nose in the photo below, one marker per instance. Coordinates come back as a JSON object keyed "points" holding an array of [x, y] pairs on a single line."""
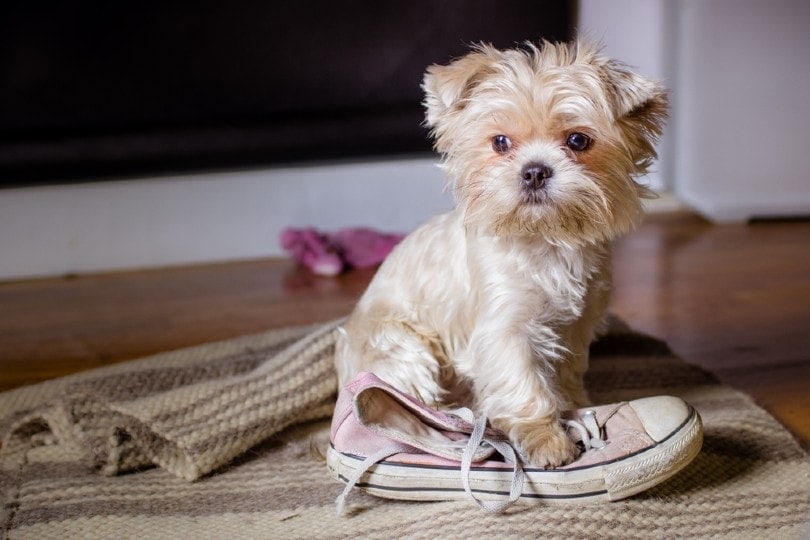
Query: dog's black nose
{"points": [[534, 175]]}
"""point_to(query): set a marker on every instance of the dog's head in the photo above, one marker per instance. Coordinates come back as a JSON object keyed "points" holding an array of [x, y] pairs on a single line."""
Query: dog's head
{"points": [[545, 139]]}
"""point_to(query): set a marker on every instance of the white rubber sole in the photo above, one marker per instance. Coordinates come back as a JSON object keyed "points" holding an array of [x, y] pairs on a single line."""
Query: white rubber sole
{"points": [[601, 482]]}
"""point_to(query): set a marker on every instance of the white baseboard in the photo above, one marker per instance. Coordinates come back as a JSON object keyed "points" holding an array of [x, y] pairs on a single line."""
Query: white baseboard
{"points": [[141, 223], [665, 202]]}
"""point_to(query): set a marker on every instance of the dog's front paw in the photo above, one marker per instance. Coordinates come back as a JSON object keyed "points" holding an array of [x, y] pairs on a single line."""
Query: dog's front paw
{"points": [[546, 445]]}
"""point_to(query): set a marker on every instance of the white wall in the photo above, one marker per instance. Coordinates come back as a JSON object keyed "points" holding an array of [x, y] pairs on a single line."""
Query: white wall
{"points": [[739, 72], [743, 107]]}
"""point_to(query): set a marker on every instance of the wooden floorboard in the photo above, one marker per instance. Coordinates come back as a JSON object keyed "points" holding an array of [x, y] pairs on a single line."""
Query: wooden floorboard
{"points": [[734, 299]]}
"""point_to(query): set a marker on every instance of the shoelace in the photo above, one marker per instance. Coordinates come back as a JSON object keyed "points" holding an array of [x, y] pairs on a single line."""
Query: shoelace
{"points": [[590, 435], [588, 431], [505, 449]]}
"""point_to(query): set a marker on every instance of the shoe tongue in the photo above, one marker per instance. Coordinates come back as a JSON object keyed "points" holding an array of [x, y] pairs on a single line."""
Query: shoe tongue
{"points": [[416, 425]]}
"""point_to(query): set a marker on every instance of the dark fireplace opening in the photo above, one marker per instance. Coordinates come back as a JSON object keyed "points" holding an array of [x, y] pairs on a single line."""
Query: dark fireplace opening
{"points": [[97, 89]]}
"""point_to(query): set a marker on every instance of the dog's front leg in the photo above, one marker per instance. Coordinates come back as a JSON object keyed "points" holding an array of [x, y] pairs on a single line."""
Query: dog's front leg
{"points": [[515, 387]]}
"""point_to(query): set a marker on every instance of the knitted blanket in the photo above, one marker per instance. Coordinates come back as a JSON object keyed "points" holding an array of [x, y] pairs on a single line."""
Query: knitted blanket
{"points": [[226, 440]]}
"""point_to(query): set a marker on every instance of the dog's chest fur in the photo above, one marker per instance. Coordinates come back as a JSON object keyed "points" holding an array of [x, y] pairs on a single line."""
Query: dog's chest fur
{"points": [[468, 282], [533, 279]]}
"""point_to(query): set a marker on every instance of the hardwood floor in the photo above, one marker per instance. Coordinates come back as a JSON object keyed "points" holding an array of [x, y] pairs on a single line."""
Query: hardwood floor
{"points": [[734, 299]]}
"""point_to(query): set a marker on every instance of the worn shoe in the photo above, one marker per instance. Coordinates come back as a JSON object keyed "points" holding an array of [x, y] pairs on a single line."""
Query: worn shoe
{"points": [[394, 446]]}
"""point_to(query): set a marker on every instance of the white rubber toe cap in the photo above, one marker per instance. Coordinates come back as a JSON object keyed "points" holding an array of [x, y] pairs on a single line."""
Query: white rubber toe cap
{"points": [[661, 415]]}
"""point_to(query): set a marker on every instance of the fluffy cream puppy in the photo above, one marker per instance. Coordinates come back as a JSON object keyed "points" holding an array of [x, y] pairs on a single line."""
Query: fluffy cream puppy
{"points": [[494, 304]]}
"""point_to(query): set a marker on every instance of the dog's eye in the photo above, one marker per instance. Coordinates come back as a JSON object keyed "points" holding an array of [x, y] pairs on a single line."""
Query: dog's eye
{"points": [[578, 142], [501, 144]]}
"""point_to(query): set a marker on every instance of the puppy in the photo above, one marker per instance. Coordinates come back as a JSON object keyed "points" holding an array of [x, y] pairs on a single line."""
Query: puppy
{"points": [[493, 305]]}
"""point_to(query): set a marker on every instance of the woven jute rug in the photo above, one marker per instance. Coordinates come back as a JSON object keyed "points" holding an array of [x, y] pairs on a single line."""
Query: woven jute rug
{"points": [[226, 441]]}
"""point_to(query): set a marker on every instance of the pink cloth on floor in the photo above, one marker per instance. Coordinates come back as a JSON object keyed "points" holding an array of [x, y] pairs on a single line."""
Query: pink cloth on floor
{"points": [[328, 254]]}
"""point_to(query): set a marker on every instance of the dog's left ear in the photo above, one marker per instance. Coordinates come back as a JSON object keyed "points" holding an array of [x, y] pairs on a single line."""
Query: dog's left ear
{"points": [[640, 107], [630, 91], [635, 98]]}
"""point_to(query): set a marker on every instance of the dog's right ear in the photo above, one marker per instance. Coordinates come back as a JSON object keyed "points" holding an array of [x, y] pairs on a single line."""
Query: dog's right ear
{"points": [[447, 87]]}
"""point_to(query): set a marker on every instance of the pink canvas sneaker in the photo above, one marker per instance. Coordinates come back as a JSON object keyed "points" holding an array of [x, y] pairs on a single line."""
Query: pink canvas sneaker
{"points": [[392, 445]]}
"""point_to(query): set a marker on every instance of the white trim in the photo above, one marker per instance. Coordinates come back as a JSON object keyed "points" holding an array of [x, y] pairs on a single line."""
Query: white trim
{"points": [[666, 202]]}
